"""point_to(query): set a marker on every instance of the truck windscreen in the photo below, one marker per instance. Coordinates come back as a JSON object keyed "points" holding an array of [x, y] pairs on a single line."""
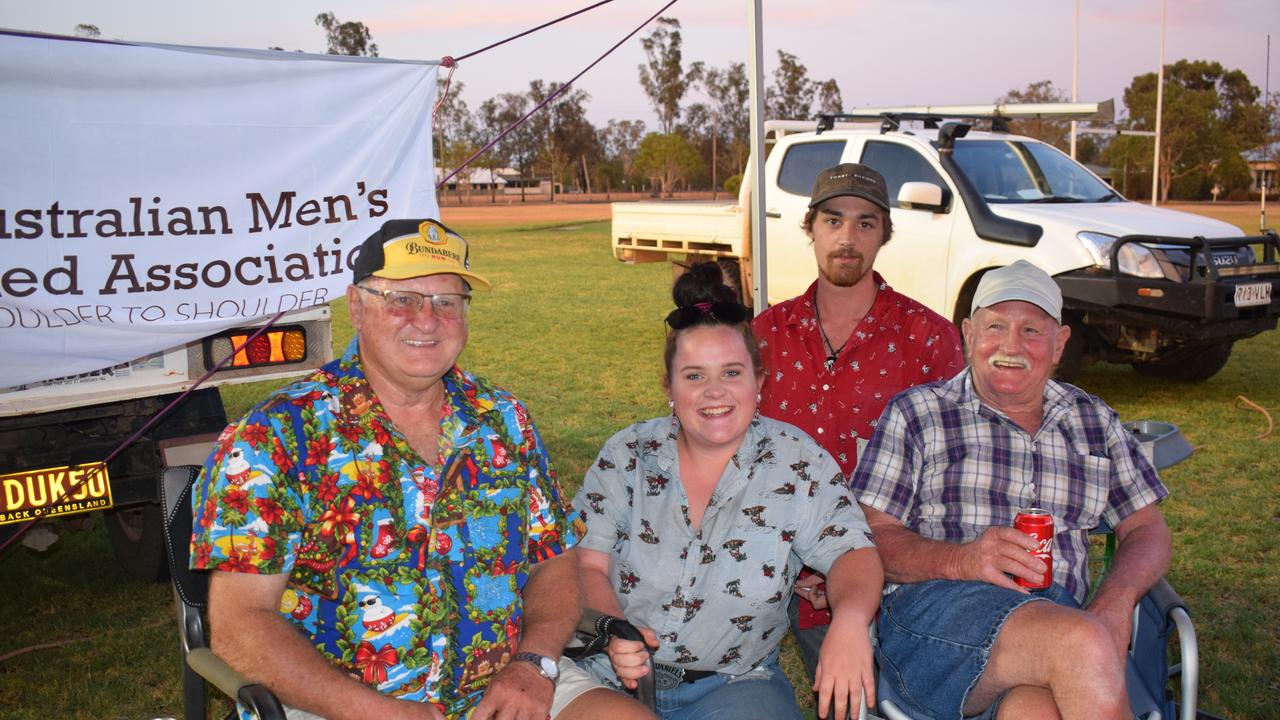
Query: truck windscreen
{"points": [[1013, 171]]}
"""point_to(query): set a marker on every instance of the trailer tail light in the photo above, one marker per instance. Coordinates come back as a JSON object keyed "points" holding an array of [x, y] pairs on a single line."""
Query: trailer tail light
{"points": [[277, 346]]}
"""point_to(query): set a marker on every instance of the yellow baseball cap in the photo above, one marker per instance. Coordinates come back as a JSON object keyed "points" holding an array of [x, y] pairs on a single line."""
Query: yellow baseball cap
{"points": [[403, 249]]}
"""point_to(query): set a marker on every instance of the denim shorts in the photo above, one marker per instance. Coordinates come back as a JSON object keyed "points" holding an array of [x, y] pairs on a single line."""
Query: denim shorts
{"points": [[936, 636]]}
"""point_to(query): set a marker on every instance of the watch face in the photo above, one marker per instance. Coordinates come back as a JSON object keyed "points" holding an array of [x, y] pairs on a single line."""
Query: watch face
{"points": [[549, 667]]}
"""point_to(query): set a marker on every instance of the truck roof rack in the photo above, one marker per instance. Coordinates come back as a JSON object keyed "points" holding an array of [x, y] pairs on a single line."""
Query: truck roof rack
{"points": [[891, 118]]}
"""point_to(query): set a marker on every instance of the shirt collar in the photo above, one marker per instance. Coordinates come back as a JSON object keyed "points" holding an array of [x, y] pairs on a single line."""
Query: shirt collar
{"points": [[801, 311], [756, 444], [465, 400], [1057, 398]]}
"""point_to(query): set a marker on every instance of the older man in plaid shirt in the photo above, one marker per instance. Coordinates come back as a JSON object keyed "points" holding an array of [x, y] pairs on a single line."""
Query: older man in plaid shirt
{"points": [[950, 466]]}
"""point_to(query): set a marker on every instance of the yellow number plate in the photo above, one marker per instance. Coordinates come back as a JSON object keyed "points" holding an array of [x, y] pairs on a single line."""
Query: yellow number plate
{"points": [[36, 494]]}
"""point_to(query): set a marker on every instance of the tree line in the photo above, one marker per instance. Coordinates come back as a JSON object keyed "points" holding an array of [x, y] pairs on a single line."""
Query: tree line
{"points": [[1211, 115], [702, 139]]}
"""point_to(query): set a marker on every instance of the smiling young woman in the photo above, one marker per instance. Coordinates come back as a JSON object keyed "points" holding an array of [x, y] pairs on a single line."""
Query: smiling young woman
{"points": [[709, 514]]}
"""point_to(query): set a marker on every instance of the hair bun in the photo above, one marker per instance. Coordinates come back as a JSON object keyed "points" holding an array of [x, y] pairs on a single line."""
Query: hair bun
{"points": [[702, 283]]}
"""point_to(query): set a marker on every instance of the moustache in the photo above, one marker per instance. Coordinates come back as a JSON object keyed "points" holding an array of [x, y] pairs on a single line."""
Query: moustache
{"points": [[1015, 360], [845, 254]]}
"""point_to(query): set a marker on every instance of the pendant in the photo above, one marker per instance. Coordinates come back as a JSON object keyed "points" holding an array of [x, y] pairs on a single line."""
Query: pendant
{"points": [[830, 362]]}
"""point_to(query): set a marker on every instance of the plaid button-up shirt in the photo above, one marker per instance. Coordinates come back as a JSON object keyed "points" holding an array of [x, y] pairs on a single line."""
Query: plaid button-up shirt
{"points": [[950, 466]]}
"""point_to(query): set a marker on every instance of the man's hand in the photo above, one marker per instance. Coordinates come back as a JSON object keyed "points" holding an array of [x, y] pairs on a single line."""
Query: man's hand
{"points": [[844, 670], [814, 589], [517, 692], [628, 657], [996, 554]]}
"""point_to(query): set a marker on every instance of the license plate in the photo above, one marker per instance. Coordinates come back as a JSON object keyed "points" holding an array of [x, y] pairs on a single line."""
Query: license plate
{"points": [[37, 494], [1251, 294]]}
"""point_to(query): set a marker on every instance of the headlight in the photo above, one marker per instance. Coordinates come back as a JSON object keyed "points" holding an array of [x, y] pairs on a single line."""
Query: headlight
{"points": [[1134, 259]]}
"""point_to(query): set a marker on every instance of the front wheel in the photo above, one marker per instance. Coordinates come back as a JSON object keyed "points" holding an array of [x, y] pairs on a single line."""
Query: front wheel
{"points": [[1195, 367], [1074, 355], [735, 278], [137, 537]]}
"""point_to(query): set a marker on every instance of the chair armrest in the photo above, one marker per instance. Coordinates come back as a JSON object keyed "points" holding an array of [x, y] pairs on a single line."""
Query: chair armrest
{"points": [[1163, 607], [595, 623], [1165, 598], [256, 697], [599, 628]]}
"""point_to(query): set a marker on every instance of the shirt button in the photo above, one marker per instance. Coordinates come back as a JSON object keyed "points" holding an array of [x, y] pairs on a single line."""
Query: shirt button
{"points": [[826, 387], [819, 431]]}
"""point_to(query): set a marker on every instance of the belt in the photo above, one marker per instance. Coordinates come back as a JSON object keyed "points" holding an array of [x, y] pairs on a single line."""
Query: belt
{"points": [[667, 677]]}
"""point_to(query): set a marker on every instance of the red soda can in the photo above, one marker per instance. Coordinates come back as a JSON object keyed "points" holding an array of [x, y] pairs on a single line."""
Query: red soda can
{"points": [[1039, 525]]}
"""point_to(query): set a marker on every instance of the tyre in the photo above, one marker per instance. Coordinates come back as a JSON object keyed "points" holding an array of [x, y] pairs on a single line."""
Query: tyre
{"points": [[731, 270], [136, 533], [1194, 367], [1073, 357]]}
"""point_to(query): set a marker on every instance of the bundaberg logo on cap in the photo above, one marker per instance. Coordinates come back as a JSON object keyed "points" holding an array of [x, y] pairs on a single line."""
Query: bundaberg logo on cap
{"points": [[431, 233], [432, 243]]}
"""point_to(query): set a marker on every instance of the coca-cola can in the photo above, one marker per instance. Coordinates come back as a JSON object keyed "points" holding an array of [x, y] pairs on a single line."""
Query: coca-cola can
{"points": [[1039, 525]]}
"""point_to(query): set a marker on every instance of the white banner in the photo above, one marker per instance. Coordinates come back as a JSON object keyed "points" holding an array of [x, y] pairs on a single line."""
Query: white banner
{"points": [[151, 195]]}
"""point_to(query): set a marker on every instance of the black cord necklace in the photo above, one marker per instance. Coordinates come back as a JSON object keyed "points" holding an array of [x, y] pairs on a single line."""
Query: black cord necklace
{"points": [[830, 362]]}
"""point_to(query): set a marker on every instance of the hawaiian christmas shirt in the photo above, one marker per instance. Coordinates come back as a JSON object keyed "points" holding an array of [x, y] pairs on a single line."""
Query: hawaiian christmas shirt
{"points": [[716, 594], [949, 466], [898, 344], [404, 572]]}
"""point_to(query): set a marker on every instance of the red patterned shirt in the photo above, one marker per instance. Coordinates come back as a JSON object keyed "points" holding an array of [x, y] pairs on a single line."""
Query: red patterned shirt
{"points": [[898, 344]]}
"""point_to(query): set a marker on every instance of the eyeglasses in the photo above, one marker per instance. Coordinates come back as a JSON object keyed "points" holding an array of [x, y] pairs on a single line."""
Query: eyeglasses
{"points": [[404, 303], [729, 313]]}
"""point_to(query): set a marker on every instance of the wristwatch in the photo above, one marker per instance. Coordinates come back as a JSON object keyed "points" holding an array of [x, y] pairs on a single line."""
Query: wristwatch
{"points": [[547, 667]]}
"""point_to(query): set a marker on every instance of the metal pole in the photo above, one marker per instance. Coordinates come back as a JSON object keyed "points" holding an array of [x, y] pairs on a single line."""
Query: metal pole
{"points": [[715, 134], [1155, 165], [1075, 77], [1266, 146], [755, 80]]}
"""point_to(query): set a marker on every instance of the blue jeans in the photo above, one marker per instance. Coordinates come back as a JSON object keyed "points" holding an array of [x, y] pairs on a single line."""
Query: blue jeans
{"points": [[763, 693], [936, 637]]}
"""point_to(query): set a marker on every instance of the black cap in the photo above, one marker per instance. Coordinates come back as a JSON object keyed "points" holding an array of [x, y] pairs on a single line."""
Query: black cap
{"points": [[853, 180]]}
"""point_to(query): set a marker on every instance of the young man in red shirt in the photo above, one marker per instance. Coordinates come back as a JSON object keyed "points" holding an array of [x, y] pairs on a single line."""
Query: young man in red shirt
{"points": [[835, 355]]}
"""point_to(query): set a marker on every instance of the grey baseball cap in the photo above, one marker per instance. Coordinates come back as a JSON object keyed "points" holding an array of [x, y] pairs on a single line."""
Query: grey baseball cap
{"points": [[1019, 281]]}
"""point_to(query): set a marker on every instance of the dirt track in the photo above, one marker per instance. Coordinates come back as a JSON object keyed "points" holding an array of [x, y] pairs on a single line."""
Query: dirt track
{"points": [[570, 208], [516, 213]]}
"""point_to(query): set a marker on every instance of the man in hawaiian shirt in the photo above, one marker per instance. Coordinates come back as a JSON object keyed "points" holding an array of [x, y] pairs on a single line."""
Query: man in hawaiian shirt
{"points": [[950, 466], [835, 355], [387, 536]]}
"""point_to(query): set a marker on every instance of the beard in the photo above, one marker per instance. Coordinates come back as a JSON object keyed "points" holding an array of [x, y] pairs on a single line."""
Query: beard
{"points": [[843, 275]]}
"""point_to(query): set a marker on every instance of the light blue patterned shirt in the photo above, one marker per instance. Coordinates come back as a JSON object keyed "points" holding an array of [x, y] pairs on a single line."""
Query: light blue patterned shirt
{"points": [[716, 595]]}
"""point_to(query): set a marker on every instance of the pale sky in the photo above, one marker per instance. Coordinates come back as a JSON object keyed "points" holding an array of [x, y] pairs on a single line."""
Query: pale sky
{"points": [[882, 52]]}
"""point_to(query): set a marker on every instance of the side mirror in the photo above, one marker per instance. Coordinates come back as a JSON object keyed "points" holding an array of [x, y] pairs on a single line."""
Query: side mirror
{"points": [[923, 196]]}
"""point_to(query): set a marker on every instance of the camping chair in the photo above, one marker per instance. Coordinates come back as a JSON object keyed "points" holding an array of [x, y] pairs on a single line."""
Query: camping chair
{"points": [[1155, 618], [201, 668]]}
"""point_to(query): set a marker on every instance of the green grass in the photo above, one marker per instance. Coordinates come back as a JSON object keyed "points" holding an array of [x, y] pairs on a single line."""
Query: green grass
{"points": [[578, 337]]}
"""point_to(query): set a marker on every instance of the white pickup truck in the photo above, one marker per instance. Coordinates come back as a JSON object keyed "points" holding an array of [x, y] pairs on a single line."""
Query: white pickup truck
{"points": [[1165, 291]]}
